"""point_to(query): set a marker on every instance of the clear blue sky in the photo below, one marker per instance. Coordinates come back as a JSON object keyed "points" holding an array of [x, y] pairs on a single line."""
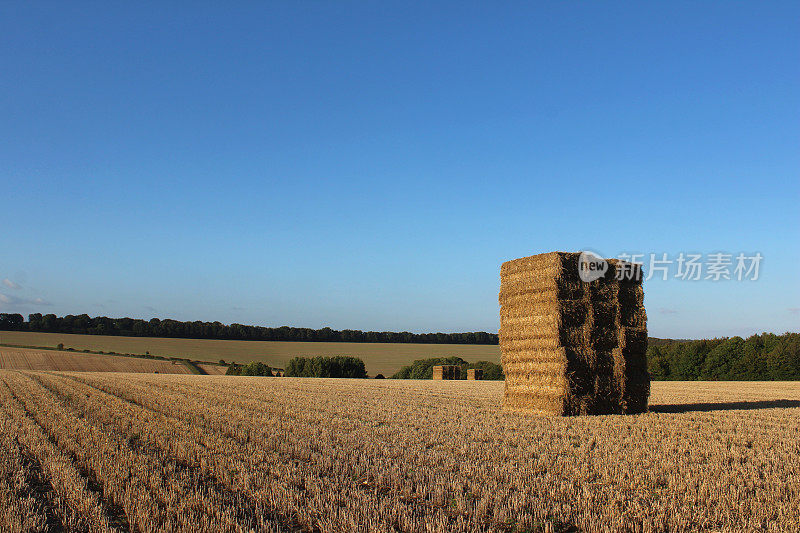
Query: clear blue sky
{"points": [[368, 166]]}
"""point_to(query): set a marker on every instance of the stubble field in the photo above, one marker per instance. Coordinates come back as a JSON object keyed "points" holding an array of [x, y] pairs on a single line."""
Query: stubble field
{"points": [[31, 359], [137, 452]]}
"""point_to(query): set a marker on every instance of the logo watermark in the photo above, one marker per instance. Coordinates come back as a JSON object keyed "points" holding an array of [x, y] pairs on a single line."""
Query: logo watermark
{"points": [[591, 266], [683, 266]]}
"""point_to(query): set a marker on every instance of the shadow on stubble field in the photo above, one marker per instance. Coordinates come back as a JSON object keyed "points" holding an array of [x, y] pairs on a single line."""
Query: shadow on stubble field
{"points": [[724, 406]]}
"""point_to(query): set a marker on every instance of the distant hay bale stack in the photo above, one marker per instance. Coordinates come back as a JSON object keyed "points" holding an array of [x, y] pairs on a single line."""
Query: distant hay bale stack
{"points": [[446, 372], [569, 346], [475, 374]]}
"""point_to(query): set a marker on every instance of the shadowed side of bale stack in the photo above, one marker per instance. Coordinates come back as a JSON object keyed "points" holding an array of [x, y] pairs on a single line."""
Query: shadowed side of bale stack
{"points": [[475, 374], [446, 372], [570, 347], [631, 350]]}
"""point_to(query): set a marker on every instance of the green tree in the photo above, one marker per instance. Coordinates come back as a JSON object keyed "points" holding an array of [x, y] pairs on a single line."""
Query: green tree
{"points": [[326, 367], [11, 321], [256, 368], [722, 359]]}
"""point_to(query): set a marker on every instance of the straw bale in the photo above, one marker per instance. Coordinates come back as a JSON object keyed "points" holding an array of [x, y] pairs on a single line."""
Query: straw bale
{"points": [[475, 374], [571, 347], [446, 372]]}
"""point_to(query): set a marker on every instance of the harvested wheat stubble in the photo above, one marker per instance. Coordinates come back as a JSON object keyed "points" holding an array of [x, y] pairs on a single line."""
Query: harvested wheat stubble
{"points": [[32, 359], [475, 374], [187, 453], [446, 372], [568, 346]]}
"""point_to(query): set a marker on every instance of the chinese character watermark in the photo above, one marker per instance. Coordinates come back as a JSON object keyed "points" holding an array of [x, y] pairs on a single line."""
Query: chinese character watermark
{"points": [[716, 266], [684, 266]]}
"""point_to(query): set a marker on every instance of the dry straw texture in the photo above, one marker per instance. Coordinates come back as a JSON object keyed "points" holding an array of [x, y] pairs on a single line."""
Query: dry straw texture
{"points": [[475, 374], [570, 347], [104, 452], [447, 372], [25, 359]]}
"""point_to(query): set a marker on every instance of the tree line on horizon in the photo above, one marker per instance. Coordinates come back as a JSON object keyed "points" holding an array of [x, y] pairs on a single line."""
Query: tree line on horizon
{"points": [[763, 357], [136, 327]]}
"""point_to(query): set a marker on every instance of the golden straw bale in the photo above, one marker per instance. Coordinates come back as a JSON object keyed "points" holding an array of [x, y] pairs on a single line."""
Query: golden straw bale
{"points": [[446, 372], [569, 346], [474, 374]]}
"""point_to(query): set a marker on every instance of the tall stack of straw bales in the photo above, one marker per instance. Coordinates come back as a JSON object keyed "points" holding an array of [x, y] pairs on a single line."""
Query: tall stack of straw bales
{"points": [[475, 374], [447, 372], [569, 346]]}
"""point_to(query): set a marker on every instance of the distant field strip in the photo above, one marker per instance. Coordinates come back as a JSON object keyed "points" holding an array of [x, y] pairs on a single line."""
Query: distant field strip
{"points": [[386, 358], [140, 452], [25, 359], [213, 370]]}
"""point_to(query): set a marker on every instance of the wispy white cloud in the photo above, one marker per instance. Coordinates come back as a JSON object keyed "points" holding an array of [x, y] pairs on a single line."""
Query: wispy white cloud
{"points": [[667, 311], [5, 299], [10, 284]]}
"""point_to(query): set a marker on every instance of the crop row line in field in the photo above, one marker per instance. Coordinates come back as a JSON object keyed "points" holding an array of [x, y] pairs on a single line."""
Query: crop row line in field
{"points": [[204, 490], [217, 453], [151, 500], [252, 448], [82, 506], [420, 474], [115, 513], [27, 498], [436, 488], [155, 433], [244, 465]]}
